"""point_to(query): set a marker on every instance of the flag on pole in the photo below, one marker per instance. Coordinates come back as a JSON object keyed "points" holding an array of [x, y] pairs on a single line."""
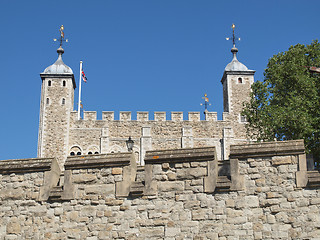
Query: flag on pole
{"points": [[84, 78]]}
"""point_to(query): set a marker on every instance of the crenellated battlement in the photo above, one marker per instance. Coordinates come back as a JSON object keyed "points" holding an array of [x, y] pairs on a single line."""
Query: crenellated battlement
{"points": [[144, 116]]}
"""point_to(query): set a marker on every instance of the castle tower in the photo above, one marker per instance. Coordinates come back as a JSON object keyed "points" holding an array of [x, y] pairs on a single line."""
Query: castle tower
{"points": [[236, 80], [57, 94]]}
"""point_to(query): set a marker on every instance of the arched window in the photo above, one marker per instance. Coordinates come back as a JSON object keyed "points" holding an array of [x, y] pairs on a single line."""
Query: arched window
{"points": [[89, 153], [239, 80], [47, 100], [75, 150], [96, 153], [63, 101], [64, 83], [49, 83]]}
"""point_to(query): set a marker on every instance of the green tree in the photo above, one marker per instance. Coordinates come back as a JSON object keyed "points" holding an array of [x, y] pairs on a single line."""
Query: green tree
{"points": [[286, 104]]}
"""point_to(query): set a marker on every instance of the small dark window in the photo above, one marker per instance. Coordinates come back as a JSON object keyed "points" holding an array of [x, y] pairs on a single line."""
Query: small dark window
{"points": [[96, 153], [243, 118], [89, 152], [112, 151], [49, 83], [78, 153], [240, 80], [72, 154], [47, 100], [64, 83], [63, 101]]}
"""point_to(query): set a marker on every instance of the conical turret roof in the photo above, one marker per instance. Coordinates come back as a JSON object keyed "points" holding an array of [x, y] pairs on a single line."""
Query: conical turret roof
{"points": [[59, 67], [235, 65]]}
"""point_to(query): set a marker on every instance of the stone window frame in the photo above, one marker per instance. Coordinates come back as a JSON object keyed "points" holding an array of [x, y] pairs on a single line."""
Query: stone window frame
{"points": [[93, 149], [76, 149], [63, 102], [242, 119], [49, 83], [240, 80], [47, 101], [64, 83]]}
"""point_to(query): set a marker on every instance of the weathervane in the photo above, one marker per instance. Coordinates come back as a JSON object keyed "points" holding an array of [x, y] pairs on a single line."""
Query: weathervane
{"points": [[234, 39], [61, 39], [206, 103]]}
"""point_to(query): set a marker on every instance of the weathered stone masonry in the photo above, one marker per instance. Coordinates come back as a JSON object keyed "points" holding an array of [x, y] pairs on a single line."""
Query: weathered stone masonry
{"points": [[263, 192]]}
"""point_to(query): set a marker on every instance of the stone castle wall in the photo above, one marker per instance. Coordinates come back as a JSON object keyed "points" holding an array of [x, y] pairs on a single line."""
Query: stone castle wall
{"points": [[263, 192], [109, 135]]}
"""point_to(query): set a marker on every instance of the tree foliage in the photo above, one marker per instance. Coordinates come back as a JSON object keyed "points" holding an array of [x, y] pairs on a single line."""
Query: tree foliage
{"points": [[285, 105]]}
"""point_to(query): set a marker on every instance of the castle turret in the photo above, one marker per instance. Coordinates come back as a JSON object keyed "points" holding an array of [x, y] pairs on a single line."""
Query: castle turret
{"points": [[236, 80], [57, 94]]}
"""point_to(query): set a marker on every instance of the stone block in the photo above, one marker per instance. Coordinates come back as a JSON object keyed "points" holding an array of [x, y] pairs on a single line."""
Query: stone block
{"points": [[12, 194], [171, 231], [58, 211], [100, 189], [190, 173], [230, 203], [172, 176], [165, 166], [13, 227], [280, 160], [194, 164], [191, 204], [116, 171], [315, 201], [271, 194], [84, 178], [171, 186], [148, 233], [252, 201], [199, 214]]}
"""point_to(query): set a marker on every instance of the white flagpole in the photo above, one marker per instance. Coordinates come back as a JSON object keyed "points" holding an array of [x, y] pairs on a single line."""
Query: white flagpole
{"points": [[79, 102]]}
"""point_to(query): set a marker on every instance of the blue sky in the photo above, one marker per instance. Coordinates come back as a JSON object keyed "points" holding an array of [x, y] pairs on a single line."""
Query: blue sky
{"points": [[139, 55]]}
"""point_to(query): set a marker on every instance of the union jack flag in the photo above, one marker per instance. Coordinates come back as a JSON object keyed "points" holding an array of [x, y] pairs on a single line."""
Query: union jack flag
{"points": [[84, 78]]}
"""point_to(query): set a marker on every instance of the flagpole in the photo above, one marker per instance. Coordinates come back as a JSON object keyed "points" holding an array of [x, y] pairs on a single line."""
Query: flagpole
{"points": [[79, 102]]}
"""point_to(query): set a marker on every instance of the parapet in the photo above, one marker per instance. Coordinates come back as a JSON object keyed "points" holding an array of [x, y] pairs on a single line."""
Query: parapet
{"points": [[264, 149], [144, 116], [176, 189], [181, 155], [97, 161], [25, 165]]}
